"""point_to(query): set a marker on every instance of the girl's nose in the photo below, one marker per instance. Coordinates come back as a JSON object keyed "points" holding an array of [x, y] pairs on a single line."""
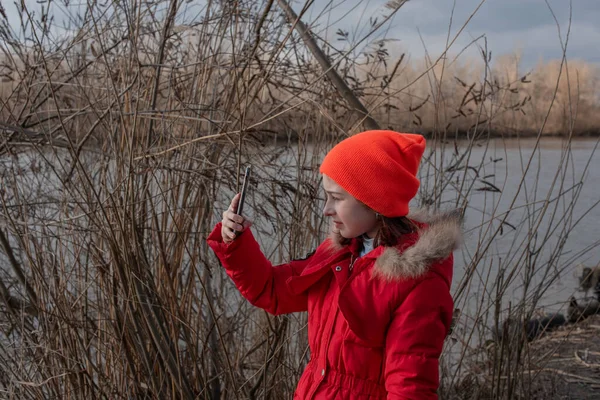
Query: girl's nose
{"points": [[328, 210]]}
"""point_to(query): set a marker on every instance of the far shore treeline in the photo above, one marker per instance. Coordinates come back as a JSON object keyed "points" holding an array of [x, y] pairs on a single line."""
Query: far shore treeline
{"points": [[458, 98]]}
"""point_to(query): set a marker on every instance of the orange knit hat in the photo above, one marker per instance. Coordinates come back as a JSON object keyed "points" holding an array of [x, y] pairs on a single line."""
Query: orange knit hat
{"points": [[378, 168]]}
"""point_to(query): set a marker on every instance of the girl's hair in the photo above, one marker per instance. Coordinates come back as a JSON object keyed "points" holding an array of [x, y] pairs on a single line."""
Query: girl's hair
{"points": [[391, 229]]}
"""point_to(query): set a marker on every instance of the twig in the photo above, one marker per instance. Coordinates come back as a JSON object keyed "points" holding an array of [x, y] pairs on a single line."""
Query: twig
{"points": [[578, 358]]}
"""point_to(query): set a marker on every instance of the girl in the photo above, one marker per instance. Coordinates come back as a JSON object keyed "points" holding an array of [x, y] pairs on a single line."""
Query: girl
{"points": [[377, 291]]}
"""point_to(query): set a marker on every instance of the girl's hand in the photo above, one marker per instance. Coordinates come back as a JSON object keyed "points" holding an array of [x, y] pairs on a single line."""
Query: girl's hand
{"points": [[232, 222]]}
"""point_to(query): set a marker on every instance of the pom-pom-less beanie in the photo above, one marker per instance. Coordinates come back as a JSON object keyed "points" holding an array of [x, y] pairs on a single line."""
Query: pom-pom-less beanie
{"points": [[378, 168]]}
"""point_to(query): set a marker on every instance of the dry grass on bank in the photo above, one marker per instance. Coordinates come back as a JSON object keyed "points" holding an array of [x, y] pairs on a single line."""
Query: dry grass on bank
{"points": [[568, 360]]}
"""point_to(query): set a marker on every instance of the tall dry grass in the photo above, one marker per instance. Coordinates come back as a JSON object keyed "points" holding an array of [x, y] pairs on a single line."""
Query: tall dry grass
{"points": [[123, 140]]}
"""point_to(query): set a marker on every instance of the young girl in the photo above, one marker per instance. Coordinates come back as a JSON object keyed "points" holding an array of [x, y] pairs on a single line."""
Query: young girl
{"points": [[377, 291]]}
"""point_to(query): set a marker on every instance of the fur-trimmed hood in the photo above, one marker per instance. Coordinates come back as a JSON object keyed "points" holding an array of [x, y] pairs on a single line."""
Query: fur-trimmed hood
{"points": [[437, 236]]}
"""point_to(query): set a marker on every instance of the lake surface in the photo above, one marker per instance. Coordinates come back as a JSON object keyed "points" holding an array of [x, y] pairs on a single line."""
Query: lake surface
{"points": [[548, 199], [549, 202]]}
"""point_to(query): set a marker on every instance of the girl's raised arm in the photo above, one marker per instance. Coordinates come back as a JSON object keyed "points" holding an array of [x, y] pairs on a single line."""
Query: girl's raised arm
{"points": [[261, 283]]}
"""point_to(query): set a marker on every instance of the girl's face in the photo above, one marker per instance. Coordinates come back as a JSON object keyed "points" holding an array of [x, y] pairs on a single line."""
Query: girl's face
{"points": [[350, 217]]}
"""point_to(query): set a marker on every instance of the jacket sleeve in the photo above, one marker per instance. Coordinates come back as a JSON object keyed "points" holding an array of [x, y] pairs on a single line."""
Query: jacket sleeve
{"points": [[261, 283], [415, 339]]}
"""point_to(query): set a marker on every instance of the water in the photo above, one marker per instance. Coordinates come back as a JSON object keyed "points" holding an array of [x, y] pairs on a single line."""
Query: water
{"points": [[559, 189], [501, 164]]}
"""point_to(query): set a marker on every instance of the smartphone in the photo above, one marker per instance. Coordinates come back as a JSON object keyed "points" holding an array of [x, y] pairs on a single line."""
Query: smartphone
{"points": [[240, 207]]}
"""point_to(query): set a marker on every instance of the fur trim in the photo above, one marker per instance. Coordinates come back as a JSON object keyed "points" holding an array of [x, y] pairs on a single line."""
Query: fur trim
{"points": [[442, 235]]}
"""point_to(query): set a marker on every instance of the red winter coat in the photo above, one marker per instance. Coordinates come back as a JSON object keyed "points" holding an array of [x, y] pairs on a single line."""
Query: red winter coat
{"points": [[375, 332]]}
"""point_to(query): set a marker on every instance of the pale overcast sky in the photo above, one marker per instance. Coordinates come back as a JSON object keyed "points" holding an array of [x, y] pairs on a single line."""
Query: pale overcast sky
{"points": [[508, 25]]}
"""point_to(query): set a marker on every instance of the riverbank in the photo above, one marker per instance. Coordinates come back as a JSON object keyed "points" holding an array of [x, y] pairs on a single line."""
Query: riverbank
{"points": [[567, 361]]}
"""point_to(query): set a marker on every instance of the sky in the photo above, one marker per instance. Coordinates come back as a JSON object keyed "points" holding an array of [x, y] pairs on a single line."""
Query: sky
{"points": [[525, 26]]}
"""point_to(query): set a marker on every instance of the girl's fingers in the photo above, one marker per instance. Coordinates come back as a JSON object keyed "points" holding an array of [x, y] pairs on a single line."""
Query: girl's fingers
{"points": [[238, 219], [227, 233], [233, 226], [234, 203], [232, 222], [229, 215]]}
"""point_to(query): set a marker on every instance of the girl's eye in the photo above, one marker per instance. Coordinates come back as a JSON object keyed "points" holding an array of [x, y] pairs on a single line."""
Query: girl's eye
{"points": [[332, 197]]}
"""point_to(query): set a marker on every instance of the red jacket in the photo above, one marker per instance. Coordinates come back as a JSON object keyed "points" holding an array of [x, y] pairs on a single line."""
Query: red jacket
{"points": [[375, 332]]}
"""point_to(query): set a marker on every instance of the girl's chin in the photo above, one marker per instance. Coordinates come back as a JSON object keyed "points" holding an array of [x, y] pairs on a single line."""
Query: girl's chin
{"points": [[339, 232]]}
